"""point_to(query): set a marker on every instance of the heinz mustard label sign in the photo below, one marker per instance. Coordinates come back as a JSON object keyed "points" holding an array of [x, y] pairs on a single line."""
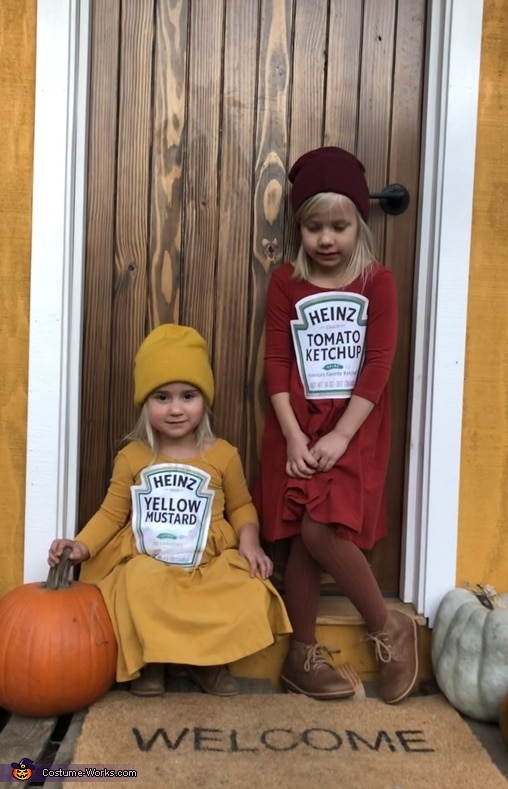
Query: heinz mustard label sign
{"points": [[171, 513]]}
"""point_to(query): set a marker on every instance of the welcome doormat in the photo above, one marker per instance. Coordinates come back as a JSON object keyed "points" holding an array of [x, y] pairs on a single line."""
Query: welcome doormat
{"points": [[190, 740]]}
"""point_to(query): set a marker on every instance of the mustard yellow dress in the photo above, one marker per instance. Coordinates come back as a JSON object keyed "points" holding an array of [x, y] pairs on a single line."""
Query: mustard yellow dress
{"points": [[209, 615]]}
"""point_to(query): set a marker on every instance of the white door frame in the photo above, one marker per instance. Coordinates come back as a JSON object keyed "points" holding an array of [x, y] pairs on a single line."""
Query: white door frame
{"points": [[440, 306]]}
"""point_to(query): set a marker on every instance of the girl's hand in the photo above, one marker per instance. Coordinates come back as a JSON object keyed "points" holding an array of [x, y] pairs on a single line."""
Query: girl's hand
{"points": [[328, 449], [258, 561], [79, 552], [250, 549], [300, 463]]}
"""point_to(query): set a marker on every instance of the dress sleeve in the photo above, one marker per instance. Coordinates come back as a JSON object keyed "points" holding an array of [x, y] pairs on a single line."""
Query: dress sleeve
{"points": [[239, 507], [278, 353], [114, 511], [381, 336]]}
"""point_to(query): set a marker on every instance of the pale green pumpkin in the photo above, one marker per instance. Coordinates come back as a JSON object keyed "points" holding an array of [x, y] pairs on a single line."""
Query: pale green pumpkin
{"points": [[503, 718], [470, 650]]}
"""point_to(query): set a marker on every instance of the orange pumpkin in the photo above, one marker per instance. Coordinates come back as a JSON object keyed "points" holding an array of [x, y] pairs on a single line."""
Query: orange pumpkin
{"points": [[503, 718], [57, 647]]}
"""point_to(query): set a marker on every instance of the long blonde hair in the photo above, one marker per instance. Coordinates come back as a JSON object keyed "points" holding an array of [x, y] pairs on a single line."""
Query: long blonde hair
{"points": [[363, 255], [144, 432]]}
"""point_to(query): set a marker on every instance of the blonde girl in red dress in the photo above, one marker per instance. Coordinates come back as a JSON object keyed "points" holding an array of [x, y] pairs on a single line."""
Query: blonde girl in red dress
{"points": [[331, 332]]}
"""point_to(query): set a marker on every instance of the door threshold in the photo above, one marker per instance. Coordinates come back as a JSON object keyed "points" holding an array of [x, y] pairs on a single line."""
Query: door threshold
{"points": [[338, 610]]}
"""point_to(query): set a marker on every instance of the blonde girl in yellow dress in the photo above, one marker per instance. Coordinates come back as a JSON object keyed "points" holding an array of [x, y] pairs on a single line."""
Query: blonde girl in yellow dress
{"points": [[174, 547]]}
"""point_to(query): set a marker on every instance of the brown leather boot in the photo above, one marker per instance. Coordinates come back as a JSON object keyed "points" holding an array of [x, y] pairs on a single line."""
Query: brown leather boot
{"points": [[307, 670], [151, 681], [215, 680], [397, 656]]}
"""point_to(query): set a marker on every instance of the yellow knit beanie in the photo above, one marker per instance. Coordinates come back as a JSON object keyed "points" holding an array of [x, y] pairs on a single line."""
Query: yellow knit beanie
{"points": [[172, 353]]}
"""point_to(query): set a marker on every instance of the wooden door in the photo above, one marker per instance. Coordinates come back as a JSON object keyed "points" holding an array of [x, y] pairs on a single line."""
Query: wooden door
{"points": [[196, 111]]}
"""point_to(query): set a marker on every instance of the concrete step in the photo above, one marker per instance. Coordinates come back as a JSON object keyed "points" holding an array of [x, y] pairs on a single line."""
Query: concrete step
{"points": [[339, 626]]}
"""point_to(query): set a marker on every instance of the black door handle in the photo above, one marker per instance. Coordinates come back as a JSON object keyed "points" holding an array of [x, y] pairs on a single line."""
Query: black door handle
{"points": [[393, 199]]}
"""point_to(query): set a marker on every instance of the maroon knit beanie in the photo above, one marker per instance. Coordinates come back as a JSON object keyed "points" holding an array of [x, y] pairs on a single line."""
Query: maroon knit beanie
{"points": [[329, 169]]}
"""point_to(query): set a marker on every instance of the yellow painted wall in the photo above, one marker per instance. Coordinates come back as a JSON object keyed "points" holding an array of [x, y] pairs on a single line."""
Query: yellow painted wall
{"points": [[17, 81], [483, 517]]}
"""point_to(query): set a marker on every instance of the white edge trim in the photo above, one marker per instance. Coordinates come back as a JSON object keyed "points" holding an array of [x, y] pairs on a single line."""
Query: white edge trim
{"points": [[449, 135], [443, 258], [58, 224]]}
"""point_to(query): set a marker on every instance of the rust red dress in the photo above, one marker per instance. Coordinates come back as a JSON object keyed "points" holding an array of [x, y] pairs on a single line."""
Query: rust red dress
{"points": [[351, 494]]}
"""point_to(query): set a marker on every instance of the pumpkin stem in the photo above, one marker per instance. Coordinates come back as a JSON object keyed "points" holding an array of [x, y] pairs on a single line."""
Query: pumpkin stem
{"points": [[58, 576], [487, 595]]}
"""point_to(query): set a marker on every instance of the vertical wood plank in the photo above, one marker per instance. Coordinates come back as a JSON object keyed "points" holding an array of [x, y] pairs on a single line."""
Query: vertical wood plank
{"points": [[307, 93], [399, 256], [375, 103], [343, 73], [235, 210], [483, 547], [199, 303], [17, 95], [374, 111], [167, 161], [274, 75], [307, 96], [131, 236], [98, 285]]}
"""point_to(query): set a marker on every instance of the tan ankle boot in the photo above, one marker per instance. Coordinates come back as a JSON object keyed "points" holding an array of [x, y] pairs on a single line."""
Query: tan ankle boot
{"points": [[397, 656], [215, 680], [151, 681], [307, 670]]}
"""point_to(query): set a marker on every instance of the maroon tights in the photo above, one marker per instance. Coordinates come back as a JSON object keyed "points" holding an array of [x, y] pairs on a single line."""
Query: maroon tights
{"points": [[319, 549]]}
